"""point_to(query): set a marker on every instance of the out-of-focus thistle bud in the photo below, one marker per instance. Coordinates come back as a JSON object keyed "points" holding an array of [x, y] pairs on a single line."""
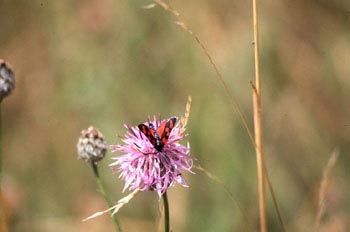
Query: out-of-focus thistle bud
{"points": [[91, 145], [7, 79]]}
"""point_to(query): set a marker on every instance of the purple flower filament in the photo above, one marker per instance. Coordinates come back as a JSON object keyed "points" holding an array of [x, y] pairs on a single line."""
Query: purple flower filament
{"points": [[152, 156]]}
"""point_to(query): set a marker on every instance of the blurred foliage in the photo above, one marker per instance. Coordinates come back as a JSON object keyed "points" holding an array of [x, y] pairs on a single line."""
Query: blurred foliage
{"points": [[110, 62]]}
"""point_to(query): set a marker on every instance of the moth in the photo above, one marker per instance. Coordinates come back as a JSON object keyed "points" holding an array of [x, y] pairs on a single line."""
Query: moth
{"points": [[158, 136]]}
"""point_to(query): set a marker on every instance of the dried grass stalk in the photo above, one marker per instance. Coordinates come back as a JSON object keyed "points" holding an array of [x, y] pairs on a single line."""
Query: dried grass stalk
{"points": [[185, 118], [115, 208], [321, 209]]}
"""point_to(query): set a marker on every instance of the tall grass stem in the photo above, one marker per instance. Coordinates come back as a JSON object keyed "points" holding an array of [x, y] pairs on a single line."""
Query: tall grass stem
{"points": [[105, 195], [258, 124]]}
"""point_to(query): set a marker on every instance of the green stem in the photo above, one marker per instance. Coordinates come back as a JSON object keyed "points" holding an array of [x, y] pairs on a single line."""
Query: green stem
{"points": [[3, 203], [105, 195], [166, 213]]}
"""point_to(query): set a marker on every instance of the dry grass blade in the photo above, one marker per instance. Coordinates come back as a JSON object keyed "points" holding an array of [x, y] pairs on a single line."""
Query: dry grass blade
{"points": [[167, 7], [150, 6], [116, 207], [219, 181], [184, 26], [274, 199], [324, 187], [184, 119]]}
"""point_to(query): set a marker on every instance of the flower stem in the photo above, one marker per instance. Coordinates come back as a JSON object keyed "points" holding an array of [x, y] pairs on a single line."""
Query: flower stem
{"points": [[166, 213], [3, 203], [105, 195]]}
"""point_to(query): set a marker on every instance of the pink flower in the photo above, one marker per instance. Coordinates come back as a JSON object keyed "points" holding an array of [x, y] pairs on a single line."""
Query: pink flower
{"points": [[146, 164]]}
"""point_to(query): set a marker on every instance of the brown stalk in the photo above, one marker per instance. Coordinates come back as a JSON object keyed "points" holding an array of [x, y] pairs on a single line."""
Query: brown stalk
{"points": [[258, 125]]}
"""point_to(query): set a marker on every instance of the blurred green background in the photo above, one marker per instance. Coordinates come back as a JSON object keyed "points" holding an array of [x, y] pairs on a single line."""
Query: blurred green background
{"points": [[110, 62]]}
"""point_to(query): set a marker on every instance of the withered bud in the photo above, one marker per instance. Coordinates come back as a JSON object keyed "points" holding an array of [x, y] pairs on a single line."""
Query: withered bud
{"points": [[7, 79], [91, 145]]}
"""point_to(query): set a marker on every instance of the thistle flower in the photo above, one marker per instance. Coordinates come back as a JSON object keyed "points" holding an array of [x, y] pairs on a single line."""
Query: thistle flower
{"points": [[153, 158], [7, 79], [91, 145]]}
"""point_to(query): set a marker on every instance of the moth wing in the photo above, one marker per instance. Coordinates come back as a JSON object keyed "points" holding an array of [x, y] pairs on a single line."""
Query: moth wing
{"points": [[165, 128], [149, 133]]}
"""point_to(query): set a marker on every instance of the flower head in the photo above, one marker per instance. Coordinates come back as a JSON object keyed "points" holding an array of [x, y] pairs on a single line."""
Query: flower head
{"points": [[153, 158], [7, 79], [91, 145]]}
